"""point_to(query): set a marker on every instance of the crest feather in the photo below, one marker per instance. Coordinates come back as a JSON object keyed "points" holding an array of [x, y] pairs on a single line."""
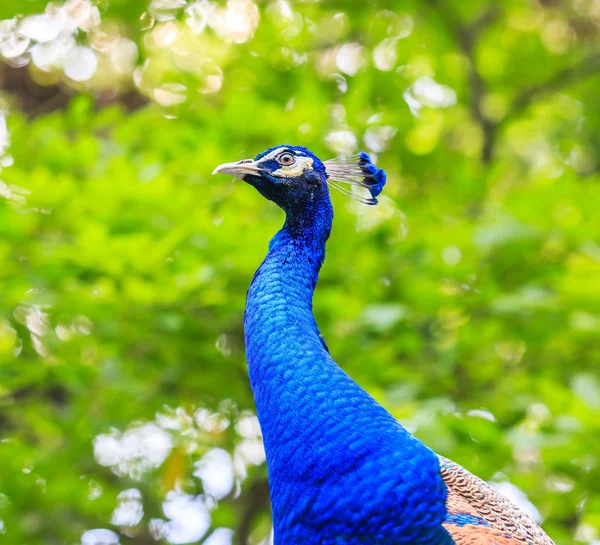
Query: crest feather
{"points": [[358, 171]]}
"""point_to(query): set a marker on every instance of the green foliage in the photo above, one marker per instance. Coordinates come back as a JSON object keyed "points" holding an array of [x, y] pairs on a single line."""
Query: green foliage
{"points": [[468, 302]]}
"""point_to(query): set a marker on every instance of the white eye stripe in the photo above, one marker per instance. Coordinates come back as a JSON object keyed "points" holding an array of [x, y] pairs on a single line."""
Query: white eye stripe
{"points": [[276, 152], [273, 154]]}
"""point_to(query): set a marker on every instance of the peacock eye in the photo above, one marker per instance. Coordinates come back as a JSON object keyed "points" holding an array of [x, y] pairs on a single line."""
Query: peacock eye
{"points": [[286, 159]]}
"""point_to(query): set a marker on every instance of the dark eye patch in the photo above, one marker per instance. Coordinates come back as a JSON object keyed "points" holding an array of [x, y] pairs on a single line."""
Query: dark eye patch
{"points": [[269, 166]]}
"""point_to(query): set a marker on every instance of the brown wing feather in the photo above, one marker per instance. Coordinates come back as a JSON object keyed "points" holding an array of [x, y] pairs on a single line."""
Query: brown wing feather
{"points": [[501, 522]]}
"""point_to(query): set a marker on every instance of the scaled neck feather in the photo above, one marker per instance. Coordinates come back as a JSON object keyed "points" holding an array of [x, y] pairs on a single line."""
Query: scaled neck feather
{"points": [[337, 459]]}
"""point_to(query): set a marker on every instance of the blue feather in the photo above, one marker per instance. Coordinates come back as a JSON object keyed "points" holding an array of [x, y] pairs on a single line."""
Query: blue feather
{"points": [[375, 177]]}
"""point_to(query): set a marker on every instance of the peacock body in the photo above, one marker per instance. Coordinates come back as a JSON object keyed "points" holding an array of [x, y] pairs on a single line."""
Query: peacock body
{"points": [[342, 470]]}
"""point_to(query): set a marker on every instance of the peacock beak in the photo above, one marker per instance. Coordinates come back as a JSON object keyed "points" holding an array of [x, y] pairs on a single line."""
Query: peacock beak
{"points": [[238, 169]]}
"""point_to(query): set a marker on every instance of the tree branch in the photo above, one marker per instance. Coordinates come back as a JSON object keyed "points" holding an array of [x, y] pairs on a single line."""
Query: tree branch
{"points": [[466, 36], [588, 66], [257, 500]]}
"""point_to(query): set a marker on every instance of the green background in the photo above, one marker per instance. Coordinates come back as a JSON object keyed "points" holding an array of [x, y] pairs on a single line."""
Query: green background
{"points": [[467, 302]]}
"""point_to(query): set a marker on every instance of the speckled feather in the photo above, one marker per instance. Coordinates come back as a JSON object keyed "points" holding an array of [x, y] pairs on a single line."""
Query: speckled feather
{"points": [[342, 471], [480, 515]]}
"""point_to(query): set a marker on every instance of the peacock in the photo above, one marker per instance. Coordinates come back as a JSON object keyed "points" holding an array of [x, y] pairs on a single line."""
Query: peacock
{"points": [[342, 470]]}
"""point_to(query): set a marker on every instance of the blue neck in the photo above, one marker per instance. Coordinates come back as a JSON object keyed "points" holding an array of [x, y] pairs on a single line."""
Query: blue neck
{"points": [[330, 447], [279, 321]]}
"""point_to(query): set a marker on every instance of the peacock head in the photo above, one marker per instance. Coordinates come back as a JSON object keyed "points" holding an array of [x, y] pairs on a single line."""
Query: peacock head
{"points": [[292, 176]]}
